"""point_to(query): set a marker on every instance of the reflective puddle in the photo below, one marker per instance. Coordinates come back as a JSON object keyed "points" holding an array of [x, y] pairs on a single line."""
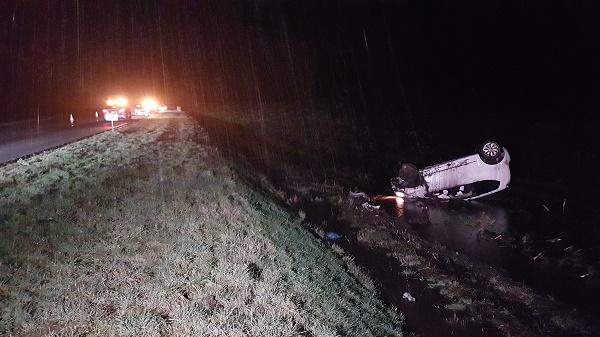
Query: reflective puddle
{"points": [[533, 245]]}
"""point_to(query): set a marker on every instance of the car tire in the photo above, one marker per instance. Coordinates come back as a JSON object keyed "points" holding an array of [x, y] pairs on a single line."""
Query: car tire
{"points": [[491, 152], [409, 173]]}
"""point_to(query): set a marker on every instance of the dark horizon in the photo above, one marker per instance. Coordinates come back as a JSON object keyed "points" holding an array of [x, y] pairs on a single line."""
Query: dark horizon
{"points": [[451, 76]]}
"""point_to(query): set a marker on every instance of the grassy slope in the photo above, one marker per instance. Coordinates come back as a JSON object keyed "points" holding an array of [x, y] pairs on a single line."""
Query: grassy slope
{"points": [[158, 237]]}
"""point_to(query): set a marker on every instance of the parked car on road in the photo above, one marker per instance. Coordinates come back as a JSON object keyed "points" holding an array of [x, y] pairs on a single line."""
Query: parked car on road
{"points": [[467, 178], [120, 112], [139, 111]]}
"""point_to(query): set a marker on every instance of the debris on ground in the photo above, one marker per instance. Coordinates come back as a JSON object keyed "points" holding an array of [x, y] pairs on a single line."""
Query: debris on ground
{"points": [[370, 207], [357, 195], [407, 296], [318, 199], [443, 195], [332, 236], [359, 199]]}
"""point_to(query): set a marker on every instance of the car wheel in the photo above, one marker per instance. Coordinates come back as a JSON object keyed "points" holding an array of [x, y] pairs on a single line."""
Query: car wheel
{"points": [[409, 174], [491, 153]]}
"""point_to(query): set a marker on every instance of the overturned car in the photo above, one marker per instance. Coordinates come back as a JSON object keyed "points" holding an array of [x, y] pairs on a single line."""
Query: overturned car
{"points": [[465, 178]]}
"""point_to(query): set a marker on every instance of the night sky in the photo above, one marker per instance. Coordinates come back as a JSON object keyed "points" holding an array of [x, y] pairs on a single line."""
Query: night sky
{"points": [[454, 74]]}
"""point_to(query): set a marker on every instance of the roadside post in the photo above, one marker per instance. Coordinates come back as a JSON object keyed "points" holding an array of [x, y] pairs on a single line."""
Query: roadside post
{"points": [[112, 117]]}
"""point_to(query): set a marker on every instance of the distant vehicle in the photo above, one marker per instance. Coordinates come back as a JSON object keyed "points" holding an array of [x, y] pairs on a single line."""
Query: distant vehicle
{"points": [[465, 178], [165, 108], [120, 112], [139, 111]]}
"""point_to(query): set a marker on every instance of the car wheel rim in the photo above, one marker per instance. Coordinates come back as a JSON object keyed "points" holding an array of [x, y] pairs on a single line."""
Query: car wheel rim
{"points": [[491, 149]]}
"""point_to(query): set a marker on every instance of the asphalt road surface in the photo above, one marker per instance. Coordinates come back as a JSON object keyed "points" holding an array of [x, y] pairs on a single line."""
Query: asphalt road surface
{"points": [[22, 139]]}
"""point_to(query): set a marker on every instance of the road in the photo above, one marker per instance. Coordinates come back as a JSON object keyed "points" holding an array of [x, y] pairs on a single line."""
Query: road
{"points": [[19, 140]]}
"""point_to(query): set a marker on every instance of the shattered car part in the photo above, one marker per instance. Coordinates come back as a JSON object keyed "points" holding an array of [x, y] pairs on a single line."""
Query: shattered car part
{"points": [[465, 178], [370, 207], [407, 296], [332, 236]]}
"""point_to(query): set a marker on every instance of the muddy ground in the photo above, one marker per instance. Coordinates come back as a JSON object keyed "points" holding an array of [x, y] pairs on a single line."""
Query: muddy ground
{"points": [[470, 282]]}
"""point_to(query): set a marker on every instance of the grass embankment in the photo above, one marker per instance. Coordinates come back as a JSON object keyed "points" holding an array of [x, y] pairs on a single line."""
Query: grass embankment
{"points": [[158, 237]]}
